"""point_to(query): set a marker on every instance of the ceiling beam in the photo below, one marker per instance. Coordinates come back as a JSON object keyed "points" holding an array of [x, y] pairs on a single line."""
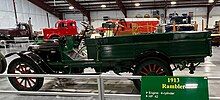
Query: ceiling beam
{"points": [[92, 1], [46, 7], [149, 7], [134, 1], [122, 7], [132, 5], [209, 9], [145, 3], [85, 12]]}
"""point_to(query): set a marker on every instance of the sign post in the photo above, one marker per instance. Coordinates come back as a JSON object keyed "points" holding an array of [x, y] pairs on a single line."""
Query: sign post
{"points": [[174, 88]]}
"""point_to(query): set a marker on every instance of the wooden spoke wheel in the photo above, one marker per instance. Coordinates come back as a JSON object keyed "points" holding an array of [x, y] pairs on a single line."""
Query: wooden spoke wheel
{"points": [[21, 66], [152, 67]]}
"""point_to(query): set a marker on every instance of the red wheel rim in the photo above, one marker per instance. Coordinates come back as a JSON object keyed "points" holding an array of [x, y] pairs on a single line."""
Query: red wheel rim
{"points": [[152, 69], [25, 82]]}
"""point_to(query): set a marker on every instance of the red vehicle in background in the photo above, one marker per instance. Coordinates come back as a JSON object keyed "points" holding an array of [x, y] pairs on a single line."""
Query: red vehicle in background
{"points": [[62, 28], [129, 26]]}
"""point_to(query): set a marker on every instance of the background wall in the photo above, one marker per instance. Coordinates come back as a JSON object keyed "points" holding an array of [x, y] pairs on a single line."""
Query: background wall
{"points": [[25, 9], [78, 18], [133, 13], [97, 16], [199, 15], [214, 16]]}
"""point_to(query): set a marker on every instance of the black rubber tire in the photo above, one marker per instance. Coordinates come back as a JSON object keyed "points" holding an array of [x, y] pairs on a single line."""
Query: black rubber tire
{"points": [[147, 63], [33, 69]]}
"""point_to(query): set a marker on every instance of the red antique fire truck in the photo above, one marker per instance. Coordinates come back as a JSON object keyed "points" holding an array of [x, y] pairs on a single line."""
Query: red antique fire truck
{"points": [[129, 26], [62, 28]]}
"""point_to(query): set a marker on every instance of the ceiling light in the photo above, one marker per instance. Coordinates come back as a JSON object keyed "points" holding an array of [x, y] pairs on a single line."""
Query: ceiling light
{"points": [[137, 4], [211, 1], [71, 7], [173, 2], [103, 6]]}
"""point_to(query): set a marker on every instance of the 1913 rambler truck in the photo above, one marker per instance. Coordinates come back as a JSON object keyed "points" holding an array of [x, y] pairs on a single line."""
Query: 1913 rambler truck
{"points": [[151, 54]]}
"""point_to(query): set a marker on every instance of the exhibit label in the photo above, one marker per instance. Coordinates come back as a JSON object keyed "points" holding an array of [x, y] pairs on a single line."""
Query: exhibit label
{"points": [[174, 88]]}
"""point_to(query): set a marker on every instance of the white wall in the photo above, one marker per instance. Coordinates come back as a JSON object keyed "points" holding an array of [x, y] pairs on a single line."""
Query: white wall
{"points": [[25, 9], [97, 16], [133, 13], [78, 18], [7, 18], [214, 16]]}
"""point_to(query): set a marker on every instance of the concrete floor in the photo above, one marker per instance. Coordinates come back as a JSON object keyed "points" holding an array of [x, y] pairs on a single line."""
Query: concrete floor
{"points": [[210, 68]]}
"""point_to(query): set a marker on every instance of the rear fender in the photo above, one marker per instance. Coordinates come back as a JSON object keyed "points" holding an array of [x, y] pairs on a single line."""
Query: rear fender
{"points": [[27, 55], [152, 53]]}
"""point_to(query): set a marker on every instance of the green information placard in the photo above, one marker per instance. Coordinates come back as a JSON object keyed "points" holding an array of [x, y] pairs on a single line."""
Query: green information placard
{"points": [[174, 88]]}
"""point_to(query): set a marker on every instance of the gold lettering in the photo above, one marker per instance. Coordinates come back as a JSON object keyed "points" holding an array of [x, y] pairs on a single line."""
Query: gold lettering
{"points": [[163, 86], [173, 80], [173, 86]]}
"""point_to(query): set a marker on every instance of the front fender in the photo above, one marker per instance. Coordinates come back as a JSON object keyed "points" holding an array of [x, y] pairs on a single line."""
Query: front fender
{"points": [[27, 55], [3, 64]]}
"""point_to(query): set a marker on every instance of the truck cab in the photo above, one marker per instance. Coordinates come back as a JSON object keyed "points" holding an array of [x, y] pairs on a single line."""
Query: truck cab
{"points": [[22, 30], [62, 28]]}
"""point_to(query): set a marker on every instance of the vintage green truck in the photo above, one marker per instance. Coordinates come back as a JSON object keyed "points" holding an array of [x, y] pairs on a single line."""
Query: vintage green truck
{"points": [[153, 54]]}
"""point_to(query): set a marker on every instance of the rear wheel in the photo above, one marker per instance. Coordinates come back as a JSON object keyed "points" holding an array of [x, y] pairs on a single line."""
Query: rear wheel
{"points": [[21, 66], [152, 67]]}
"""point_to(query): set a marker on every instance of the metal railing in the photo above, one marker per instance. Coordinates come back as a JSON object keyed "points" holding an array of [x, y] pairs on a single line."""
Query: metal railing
{"points": [[100, 81]]}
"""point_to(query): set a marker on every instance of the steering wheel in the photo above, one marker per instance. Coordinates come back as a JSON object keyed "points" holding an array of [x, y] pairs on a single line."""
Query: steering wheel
{"points": [[88, 29]]}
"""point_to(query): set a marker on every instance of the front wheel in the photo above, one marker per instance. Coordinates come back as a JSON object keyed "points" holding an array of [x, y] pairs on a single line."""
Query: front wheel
{"points": [[152, 67], [21, 66]]}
